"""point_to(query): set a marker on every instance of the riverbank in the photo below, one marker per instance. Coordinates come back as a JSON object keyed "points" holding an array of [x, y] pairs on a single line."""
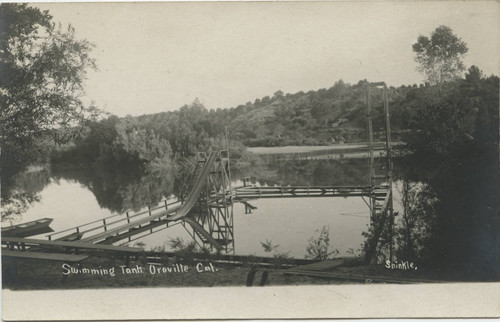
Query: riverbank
{"points": [[113, 273], [320, 152], [98, 272]]}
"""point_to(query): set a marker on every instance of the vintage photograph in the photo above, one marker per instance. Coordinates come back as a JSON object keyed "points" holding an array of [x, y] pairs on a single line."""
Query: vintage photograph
{"points": [[248, 144]]}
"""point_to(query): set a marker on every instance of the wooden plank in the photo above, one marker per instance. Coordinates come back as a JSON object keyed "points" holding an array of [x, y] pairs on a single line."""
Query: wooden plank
{"points": [[323, 265], [72, 244], [248, 205], [45, 256], [133, 231], [203, 233], [312, 195], [26, 233], [69, 238], [302, 187]]}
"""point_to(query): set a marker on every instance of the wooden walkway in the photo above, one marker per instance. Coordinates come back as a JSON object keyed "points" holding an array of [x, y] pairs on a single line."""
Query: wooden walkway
{"points": [[26, 243], [253, 192], [70, 258]]}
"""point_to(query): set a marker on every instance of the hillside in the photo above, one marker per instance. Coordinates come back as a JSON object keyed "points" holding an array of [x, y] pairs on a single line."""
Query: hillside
{"points": [[316, 117], [322, 117]]}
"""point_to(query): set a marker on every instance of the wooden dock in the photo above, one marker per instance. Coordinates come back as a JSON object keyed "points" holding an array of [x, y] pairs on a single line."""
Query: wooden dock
{"points": [[24, 244], [69, 258], [256, 192]]}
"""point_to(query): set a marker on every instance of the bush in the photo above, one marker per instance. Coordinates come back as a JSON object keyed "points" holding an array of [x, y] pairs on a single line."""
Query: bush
{"points": [[319, 246]]}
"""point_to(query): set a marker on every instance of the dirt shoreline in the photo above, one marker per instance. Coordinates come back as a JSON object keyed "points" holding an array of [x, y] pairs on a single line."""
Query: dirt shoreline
{"points": [[101, 272]]}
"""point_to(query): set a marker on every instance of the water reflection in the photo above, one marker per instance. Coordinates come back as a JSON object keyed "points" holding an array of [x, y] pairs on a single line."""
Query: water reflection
{"points": [[33, 181], [76, 196], [23, 193], [120, 189], [306, 172]]}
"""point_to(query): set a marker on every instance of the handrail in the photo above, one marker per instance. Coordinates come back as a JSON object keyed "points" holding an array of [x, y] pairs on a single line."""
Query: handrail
{"points": [[128, 226], [306, 191], [301, 187], [126, 218], [112, 216]]}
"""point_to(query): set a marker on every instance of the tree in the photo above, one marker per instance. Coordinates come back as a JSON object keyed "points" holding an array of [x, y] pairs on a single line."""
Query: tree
{"points": [[440, 57], [278, 94], [42, 69], [474, 74]]}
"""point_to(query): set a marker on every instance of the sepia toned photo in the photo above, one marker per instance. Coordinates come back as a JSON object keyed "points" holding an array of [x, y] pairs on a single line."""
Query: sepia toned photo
{"points": [[234, 148]]}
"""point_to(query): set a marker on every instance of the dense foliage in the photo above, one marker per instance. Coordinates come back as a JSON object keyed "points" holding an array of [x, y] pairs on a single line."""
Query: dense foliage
{"points": [[453, 146], [325, 116], [316, 117], [42, 68], [156, 141]]}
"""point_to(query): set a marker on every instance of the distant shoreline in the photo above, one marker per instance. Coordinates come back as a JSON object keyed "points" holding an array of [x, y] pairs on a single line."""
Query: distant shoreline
{"points": [[337, 148]]}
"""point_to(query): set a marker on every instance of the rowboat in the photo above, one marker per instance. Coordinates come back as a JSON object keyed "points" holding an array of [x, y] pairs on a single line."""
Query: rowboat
{"points": [[29, 228]]}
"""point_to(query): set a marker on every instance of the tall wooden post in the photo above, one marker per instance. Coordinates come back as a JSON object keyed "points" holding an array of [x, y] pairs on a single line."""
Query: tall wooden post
{"points": [[370, 133], [228, 157], [390, 210]]}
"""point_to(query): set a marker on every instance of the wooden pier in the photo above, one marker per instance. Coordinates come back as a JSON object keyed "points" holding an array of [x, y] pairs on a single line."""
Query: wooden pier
{"points": [[256, 192]]}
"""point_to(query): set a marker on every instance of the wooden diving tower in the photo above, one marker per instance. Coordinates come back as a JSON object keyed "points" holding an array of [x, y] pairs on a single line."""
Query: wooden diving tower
{"points": [[381, 207]]}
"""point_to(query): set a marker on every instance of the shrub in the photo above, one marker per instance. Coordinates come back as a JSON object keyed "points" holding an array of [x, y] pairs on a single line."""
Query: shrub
{"points": [[319, 245]]}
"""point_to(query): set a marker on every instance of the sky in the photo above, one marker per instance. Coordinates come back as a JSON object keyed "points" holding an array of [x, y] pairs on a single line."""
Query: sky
{"points": [[156, 57]]}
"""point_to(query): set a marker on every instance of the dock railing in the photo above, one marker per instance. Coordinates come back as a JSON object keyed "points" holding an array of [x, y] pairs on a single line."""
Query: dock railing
{"points": [[301, 191], [118, 219]]}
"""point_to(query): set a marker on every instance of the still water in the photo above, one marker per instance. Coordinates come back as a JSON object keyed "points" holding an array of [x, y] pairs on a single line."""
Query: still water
{"points": [[74, 197]]}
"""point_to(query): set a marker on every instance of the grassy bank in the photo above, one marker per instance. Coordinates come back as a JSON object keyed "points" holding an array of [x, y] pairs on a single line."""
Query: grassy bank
{"points": [[98, 272], [33, 274]]}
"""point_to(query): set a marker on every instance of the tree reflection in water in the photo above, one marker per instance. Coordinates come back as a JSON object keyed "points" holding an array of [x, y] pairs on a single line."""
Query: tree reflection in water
{"points": [[127, 188], [22, 191]]}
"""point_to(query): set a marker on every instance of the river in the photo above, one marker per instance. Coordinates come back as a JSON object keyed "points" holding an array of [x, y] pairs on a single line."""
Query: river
{"points": [[76, 196]]}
